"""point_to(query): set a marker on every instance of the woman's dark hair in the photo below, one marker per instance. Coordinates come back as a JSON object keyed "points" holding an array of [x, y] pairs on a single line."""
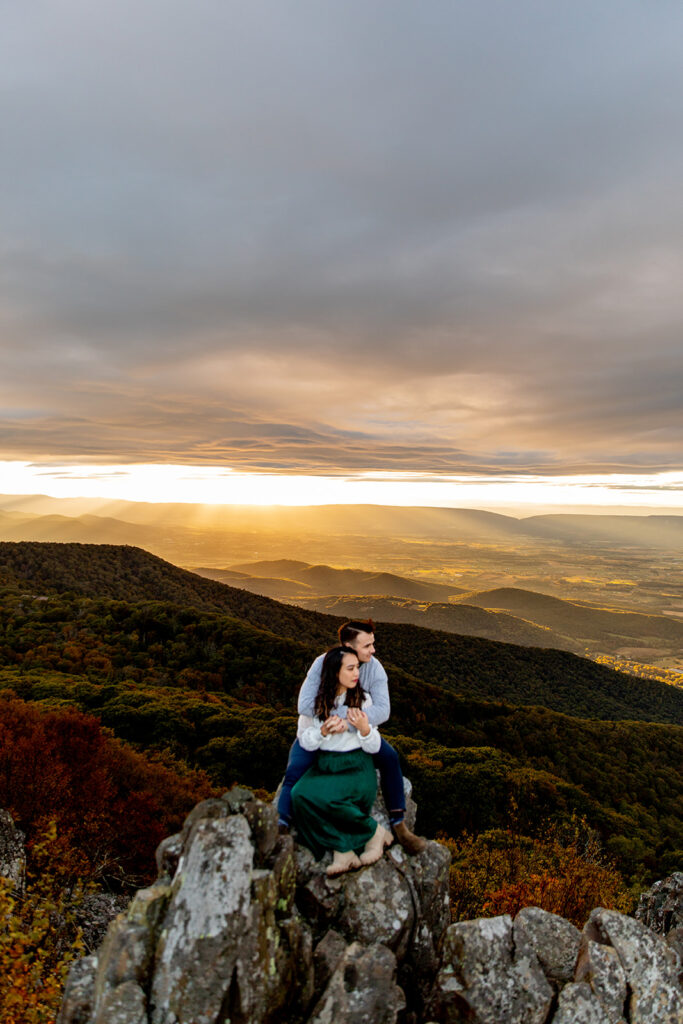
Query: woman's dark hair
{"points": [[329, 683]]}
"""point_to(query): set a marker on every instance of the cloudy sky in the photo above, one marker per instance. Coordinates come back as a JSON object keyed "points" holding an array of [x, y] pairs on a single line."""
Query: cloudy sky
{"points": [[341, 237]]}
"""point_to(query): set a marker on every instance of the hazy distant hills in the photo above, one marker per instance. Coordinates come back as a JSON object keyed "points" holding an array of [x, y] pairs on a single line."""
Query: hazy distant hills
{"points": [[464, 619], [655, 531], [86, 528], [459, 525], [610, 629], [511, 615], [459, 664], [593, 565], [268, 586], [324, 580], [366, 520]]}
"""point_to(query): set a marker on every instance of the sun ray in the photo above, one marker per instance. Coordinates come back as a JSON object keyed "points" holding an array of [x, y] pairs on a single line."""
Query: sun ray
{"points": [[214, 485]]}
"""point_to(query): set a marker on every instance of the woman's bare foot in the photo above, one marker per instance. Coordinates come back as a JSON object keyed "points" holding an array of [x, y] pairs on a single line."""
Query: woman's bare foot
{"points": [[374, 848], [342, 862]]}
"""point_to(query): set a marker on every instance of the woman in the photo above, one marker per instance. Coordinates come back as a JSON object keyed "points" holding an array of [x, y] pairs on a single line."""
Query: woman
{"points": [[332, 800]]}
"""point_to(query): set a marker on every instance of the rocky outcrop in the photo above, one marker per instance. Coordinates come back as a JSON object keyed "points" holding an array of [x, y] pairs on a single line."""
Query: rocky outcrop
{"points": [[244, 926], [12, 855], [92, 914], [661, 909], [539, 969]]}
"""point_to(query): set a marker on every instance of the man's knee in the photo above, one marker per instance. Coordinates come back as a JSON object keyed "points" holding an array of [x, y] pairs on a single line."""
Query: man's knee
{"points": [[386, 755], [300, 761]]}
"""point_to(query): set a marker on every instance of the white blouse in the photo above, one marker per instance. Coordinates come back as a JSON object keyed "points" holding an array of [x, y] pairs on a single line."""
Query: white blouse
{"points": [[311, 738]]}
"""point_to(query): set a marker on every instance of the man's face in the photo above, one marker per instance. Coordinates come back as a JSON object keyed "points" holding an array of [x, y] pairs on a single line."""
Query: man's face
{"points": [[364, 646]]}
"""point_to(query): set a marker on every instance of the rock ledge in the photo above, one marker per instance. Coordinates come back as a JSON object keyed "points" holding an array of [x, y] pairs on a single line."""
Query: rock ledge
{"points": [[243, 927]]}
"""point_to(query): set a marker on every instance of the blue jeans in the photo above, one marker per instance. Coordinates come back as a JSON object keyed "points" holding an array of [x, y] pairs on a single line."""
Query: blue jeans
{"points": [[386, 760]]}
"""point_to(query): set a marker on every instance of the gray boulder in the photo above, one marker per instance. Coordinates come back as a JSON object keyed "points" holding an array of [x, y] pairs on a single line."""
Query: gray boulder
{"points": [[228, 931], [244, 926], [78, 998], [205, 923], [540, 970], [123, 1005], [578, 1004], [219, 939], [222, 949], [485, 979], [661, 909], [650, 966], [599, 966], [362, 989], [327, 956], [12, 853], [554, 941], [400, 901]]}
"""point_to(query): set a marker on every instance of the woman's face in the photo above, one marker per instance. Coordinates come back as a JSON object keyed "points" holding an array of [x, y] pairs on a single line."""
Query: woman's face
{"points": [[348, 673]]}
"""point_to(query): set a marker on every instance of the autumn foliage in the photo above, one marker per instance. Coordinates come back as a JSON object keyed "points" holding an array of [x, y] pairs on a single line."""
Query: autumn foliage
{"points": [[38, 940], [111, 804], [564, 871]]}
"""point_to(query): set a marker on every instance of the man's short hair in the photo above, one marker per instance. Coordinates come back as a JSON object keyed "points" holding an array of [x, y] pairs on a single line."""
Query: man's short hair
{"points": [[350, 630]]}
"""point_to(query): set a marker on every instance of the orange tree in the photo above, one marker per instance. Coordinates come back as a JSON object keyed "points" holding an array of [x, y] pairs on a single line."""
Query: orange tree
{"points": [[563, 871]]}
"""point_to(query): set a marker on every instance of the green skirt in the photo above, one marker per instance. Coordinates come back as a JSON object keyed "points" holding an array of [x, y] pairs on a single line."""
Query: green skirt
{"points": [[332, 802]]}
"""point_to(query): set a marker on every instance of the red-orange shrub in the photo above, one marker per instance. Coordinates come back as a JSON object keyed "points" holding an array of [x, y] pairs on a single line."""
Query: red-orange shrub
{"points": [[564, 872], [112, 804]]}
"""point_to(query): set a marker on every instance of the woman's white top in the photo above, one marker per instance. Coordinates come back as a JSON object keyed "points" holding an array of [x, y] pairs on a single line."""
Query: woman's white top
{"points": [[311, 738]]}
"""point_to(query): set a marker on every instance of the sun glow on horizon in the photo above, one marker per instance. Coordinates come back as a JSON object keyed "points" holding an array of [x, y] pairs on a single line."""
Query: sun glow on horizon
{"points": [[212, 485]]}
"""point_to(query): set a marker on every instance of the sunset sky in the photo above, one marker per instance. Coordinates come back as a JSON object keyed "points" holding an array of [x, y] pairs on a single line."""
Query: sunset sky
{"points": [[429, 253]]}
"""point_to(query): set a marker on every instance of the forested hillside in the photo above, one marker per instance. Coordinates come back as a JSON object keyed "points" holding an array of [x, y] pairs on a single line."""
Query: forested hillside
{"points": [[466, 665]]}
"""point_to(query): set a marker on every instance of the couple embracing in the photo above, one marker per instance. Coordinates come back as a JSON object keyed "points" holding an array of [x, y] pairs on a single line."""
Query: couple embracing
{"points": [[330, 784]]}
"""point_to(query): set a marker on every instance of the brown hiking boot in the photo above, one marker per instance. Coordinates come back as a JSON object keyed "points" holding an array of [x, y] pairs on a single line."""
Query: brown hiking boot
{"points": [[411, 843]]}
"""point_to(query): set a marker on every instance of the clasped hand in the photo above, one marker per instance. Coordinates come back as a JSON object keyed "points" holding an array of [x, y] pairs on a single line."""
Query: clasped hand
{"points": [[334, 724], [359, 720]]}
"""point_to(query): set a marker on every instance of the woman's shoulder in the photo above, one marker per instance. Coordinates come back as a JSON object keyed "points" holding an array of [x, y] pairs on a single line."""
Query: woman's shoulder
{"points": [[367, 703]]}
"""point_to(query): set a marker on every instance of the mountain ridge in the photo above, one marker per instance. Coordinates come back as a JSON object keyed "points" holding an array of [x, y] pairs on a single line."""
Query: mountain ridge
{"points": [[647, 530], [480, 668]]}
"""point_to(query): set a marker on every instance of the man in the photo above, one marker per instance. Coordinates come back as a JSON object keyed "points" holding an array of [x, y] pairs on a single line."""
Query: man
{"points": [[359, 636]]}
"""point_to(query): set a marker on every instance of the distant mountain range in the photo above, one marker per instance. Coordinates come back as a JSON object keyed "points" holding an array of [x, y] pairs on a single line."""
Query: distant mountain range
{"points": [[309, 580], [461, 525], [511, 615], [588, 624], [462, 619], [569, 576]]}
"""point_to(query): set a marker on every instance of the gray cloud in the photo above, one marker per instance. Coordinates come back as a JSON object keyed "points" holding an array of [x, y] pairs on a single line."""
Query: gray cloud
{"points": [[442, 237]]}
